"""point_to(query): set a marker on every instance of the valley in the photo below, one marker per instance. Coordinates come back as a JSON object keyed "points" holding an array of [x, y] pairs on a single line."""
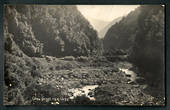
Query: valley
{"points": [[54, 56]]}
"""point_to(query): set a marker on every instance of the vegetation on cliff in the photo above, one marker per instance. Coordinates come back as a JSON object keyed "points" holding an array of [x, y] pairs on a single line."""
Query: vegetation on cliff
{"points": [[51, 30], [52, 53], [141, 36], [148, 50]]}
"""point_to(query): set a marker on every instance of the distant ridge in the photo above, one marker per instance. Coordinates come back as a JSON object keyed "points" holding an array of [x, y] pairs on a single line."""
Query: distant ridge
{"points": [[103, 31], [98, 24]]}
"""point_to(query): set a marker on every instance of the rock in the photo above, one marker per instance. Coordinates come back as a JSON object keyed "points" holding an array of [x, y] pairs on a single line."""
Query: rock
{"points": [[128, 75], [48, 58], [65, 76], [90, 94], [51, 68], [84, 82], [115, 69], [82, 59], [69, 58]]}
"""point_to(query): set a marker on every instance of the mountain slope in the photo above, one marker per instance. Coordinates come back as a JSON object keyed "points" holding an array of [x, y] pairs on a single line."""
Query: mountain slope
{"points": [[103, 31], [141, 34], [122, 34], [148, 50], [51, 30], [35, 36]]}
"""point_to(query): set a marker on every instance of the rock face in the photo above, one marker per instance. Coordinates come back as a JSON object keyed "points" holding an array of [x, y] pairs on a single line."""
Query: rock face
{"points": [[18, 30], [51, 30]]}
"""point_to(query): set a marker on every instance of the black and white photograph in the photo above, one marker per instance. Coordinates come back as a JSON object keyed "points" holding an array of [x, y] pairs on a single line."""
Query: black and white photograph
{"points": [[84, 55]]}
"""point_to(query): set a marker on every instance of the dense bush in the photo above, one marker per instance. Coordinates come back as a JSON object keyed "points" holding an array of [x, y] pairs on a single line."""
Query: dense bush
{"points": [[65, 31], [122, 34], [141, 35], [148, 51], [52, 30]]}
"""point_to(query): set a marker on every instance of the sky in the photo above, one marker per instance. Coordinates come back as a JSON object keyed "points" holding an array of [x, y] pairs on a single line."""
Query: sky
{"points": [[104, 14]]}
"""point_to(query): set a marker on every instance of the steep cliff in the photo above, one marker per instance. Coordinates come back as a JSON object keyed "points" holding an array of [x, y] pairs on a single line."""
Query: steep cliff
{"points": [[51, 30], [148, 50], [141, 34], [35, 35]]}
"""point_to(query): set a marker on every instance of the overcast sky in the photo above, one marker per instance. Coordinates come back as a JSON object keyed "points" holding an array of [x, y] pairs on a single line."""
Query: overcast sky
{"points": [[104, 13]]}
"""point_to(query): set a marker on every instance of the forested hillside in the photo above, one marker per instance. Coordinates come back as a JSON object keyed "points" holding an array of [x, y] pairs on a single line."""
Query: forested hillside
{"points": [[54, 56], [141, 35], [36, 36], [103, 31], [122, 34], [65, 31], [148, 50]]}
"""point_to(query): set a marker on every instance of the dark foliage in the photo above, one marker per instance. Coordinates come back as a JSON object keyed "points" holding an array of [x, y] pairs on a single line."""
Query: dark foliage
{"points": [[51, 30], [122, 34], [148, 50], [141, 35], [36, 35]]}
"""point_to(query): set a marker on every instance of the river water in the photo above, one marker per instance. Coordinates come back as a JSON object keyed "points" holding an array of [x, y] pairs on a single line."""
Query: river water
{"points": [[88, 91]]}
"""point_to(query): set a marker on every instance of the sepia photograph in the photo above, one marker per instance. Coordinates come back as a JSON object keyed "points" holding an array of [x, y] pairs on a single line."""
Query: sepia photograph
{"points": [[84, 55]]}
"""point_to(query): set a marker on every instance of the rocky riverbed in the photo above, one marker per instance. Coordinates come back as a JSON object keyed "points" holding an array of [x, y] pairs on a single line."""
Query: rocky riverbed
{"points": [[56, 81]]}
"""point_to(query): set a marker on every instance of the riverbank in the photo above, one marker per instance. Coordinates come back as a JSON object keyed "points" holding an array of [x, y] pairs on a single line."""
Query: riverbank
{"points": [[90, 81]]}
